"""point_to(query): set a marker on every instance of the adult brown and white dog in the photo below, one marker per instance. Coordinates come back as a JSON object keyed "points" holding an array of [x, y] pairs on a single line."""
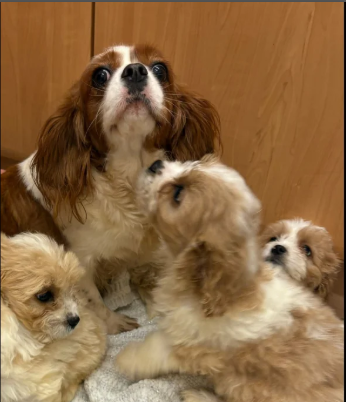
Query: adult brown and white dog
{"points": [[125, 112], [304, 250], [256, 333]]}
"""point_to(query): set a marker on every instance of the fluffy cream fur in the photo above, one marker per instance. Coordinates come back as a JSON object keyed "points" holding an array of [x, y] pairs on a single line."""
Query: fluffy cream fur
{"points": [[256, 333], [43, 358]]}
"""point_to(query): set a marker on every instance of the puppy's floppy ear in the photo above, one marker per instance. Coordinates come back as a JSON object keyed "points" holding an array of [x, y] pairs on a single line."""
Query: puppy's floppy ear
{"points": [[323, 289], [8, 250], [329, 270], [61, 165], [4, 246], [195, 126], [211, 277]]}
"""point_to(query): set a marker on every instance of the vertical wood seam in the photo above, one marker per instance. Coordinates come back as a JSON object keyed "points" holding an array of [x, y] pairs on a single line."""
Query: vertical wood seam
{"points": [[92, 33]]}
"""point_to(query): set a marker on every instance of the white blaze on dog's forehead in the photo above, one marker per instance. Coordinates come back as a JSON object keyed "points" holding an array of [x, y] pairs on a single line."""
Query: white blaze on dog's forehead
{"points": [[292, 228], [295, 225], [117, 117], [154, 89], [125, 54], [173, 170]]}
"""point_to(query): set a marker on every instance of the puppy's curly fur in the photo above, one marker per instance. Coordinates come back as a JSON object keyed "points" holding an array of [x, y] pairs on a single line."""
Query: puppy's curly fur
{"points": [[254, 332], [44, 354]]}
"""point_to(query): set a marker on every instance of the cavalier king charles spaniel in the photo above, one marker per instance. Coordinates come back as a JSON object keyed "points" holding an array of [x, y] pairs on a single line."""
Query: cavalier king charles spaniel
{"points": [[125, 112], [304, 251], [257, 334]]}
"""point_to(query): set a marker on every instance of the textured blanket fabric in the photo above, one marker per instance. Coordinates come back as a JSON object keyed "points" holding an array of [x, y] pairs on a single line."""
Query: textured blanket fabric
{"points": [[107, 385]]}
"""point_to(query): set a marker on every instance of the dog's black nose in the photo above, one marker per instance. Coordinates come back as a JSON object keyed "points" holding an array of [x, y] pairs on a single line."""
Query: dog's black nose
{"points": [[278, 250], [134, 73], [72, 320], [156, 167]]}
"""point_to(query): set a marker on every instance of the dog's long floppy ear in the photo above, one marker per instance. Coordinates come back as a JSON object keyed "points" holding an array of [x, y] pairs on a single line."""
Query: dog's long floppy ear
{"points": [[216, 281], [329, 270], [323, 289], [61, 165], [194, 129]]}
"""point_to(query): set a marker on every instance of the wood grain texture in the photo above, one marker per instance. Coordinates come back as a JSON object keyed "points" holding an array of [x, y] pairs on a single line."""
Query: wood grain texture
{"points": [[44, 49], [275, 73]]}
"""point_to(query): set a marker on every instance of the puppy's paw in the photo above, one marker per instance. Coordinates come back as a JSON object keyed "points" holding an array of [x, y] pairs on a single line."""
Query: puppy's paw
{"points": [[151, 313], [127, 361], [127, 323], [117, 323], [69, 393], [194, 395]]}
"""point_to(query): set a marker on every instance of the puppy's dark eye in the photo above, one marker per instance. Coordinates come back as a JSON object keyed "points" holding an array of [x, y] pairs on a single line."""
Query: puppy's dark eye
{"points": [[273, 239], [307, 250], [100, 77], [176, 193], [160, 71], [45, 297]]}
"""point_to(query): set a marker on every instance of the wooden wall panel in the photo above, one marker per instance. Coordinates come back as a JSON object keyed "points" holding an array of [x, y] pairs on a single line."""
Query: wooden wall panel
{"points": [[275, 73], [44, 49]]}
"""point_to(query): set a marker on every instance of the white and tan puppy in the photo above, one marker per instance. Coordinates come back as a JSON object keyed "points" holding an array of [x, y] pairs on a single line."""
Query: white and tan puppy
{"points": [[256, 333], [304, 251]]}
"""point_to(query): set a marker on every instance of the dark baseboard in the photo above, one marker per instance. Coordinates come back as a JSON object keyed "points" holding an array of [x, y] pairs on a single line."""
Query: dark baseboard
{"points": [[7, 162]]}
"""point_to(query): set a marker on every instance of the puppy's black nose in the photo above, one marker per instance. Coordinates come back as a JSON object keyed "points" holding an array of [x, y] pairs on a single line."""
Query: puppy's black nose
{"points": [[134, 73], [156, 167], [72, 320], [278, 250]]}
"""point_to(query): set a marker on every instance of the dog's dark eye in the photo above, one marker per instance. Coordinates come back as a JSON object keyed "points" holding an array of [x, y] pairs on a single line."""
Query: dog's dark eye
{"points": [[307, 250], [45, 297], [160, 71], [176, 194], [273, 239], [100, 77]]}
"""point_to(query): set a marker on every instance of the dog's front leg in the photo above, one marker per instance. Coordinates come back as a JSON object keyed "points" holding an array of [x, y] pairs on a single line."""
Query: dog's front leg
{"points": [[115, 322], [147, 359]]}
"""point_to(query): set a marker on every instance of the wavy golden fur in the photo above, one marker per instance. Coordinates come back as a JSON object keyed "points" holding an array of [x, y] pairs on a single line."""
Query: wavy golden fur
{"points": [[43, 358]]}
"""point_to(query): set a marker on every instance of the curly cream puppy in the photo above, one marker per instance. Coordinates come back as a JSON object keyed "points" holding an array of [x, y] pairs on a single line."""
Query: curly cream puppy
{"points": [[254, 332], [50, 342], [304, 251]]}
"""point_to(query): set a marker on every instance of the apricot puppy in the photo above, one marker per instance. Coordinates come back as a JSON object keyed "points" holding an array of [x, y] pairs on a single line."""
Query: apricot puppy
{"points": [[50, 341]]}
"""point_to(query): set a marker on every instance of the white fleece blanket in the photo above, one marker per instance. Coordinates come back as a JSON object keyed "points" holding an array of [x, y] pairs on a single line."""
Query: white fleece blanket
{"points": [[107, 385]]}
